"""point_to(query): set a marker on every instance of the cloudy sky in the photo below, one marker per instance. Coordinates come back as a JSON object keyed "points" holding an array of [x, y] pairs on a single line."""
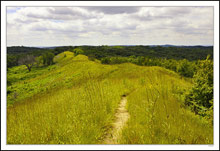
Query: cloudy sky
{"points": [[59, 26]]}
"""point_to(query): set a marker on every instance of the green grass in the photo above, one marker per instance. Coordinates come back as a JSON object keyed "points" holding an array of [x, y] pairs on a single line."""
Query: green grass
{"points": [[74, 102], [158, 118], [67, 71]]}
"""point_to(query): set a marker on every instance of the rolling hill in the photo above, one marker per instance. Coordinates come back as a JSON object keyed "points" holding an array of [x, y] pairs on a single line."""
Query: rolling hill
{"points": [[75, 100]]}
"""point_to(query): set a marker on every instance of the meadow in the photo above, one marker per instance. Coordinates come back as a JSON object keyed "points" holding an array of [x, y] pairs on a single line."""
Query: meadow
{"points": [[74, 102]]}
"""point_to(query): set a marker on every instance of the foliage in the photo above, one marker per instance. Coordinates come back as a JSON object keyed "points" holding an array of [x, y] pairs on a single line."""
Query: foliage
{"points": [[105, 60], [183, 67], [21, 49], [12, 60], [15, 53], [91, 57], [77, 51], [39, 61], [48, 58], [190, 53], [200, 97], [28, 61]]}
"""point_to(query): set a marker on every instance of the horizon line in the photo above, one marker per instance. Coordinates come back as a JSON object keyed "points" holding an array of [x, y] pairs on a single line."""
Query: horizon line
{"points": [[110, 45]]}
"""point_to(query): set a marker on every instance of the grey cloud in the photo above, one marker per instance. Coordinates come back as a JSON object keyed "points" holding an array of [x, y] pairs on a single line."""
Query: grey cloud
{"points": [[113, 10], [60, 10], [75, 12], [39, 28], [192, 31], [51, 16], [63, 13], [174, 11]]}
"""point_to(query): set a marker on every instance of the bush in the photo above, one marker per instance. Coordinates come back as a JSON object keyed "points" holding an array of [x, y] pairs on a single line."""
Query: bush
{"points": [[105, 61], [91, 57], [78, 51], [185, 68], [200, 97], [48, 58], [39, 61]]}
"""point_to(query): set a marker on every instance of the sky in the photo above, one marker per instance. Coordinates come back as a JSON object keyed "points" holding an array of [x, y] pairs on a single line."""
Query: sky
{"points": [[108, 25]]}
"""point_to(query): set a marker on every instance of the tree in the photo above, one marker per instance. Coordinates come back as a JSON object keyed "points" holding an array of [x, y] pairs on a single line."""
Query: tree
{"points": [[91, 57], [184, 68], [78, 51], [28, 61], [12, 60], [200, 97], [105, 61], [39, 60], [140, 60], [48, 58]]}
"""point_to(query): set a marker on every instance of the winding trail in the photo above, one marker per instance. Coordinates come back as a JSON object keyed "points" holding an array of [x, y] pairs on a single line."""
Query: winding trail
{"points": [[121, 117]]}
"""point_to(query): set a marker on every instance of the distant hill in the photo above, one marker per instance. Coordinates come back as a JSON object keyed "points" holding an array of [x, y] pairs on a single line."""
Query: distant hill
{"points": [[182, 46]]}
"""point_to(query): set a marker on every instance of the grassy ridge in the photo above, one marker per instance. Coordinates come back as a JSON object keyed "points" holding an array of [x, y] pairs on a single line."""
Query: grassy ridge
{"points": [[80, 112], [67, 71], [158, 118], [70, 116], [74, 101]]}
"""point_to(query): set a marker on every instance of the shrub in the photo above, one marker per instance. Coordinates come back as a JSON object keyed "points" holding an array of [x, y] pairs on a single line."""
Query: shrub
{"points": [[28, 61], [78, 51], [48, 58], [200, 97]]}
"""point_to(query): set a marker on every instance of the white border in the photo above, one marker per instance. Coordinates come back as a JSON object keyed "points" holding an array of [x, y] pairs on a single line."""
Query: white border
{"points": [[109, 3]]}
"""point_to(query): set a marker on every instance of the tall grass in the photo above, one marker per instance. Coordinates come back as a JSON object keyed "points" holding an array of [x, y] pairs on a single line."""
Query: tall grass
{"points": [[71, 116], [74, 102], [68, 71], [80, 113], [158, 118]]}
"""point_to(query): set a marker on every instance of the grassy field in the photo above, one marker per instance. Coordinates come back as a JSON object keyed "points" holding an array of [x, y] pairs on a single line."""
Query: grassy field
{"points": [[158, 118], [74, 102]]}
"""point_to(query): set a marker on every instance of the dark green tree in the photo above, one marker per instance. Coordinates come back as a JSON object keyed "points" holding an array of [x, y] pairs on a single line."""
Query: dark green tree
{"points": [[200, 97], [105, 61], [48, 58], [185, 68], [12, 60]]}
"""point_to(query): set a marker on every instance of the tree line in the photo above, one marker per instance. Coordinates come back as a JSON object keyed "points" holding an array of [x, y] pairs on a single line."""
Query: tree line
{"points": [[190, 53], [184, 67]]}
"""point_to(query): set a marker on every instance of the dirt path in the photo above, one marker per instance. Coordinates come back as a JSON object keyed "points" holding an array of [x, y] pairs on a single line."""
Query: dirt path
{"points": [[121, 117]]}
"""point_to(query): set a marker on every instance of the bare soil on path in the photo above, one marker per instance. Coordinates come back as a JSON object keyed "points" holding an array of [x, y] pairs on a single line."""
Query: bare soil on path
{"points": [[121, 117]]}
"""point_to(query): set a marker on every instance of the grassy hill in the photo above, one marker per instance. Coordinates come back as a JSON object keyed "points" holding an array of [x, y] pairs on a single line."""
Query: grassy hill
{"points": [[74, 102]]}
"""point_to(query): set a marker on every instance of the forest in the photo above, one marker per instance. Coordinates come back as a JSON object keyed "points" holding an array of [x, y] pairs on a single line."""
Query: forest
{"points": [[185, 52]]}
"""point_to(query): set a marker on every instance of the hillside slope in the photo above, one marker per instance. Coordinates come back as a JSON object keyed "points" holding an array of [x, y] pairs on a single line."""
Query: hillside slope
{"points": [[74, 102]]}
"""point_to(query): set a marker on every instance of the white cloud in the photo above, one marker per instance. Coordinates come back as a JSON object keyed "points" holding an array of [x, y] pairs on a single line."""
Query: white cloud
{"points": [[49, 26]]}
